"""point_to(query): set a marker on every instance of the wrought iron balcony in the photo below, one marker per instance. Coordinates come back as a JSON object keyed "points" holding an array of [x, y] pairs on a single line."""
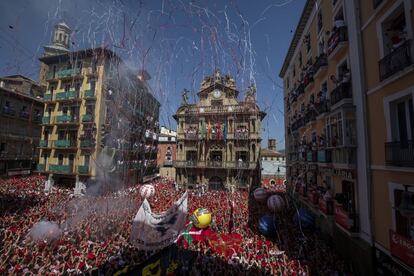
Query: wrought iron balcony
{"points": [[44, 143], [83, 169], [87, 118], [89, 94], [321, 107], [61, 119], [310, 115], [60, 168], [400, 154], [338, 35], [63, 144], [68, 72], [45, 120], [67, 95], [341, 92], [395, 61], [40, 167], [168, 163]]}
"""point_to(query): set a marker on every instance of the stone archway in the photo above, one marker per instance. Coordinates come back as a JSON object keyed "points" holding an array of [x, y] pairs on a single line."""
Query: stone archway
{"points": [[215, 183]]}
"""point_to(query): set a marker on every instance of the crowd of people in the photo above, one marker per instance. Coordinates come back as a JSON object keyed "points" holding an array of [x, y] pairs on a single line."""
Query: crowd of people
{"points": [[95, 232]]}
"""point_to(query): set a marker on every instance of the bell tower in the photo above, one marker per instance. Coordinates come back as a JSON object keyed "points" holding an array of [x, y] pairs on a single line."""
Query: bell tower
{"points": [[61, 36], [60, 45]]}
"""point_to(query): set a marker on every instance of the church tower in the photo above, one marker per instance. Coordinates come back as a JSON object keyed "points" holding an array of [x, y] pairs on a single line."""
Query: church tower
{"points": [[60, 45]]}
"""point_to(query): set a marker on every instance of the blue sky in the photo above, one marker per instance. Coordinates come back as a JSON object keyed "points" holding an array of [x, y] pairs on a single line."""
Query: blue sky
{"points": [[177, 42]]}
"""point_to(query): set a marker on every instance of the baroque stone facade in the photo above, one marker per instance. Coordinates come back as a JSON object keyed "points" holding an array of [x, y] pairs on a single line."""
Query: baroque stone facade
{"points": [[218, 138]]}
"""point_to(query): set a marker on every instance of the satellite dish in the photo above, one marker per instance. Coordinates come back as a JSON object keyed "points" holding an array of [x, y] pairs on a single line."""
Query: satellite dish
{"points": [[406, 207]]}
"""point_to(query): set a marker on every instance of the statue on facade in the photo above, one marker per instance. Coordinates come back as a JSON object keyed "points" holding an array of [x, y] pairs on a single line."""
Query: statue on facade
{"points": [[251, 92], [184, 95]]}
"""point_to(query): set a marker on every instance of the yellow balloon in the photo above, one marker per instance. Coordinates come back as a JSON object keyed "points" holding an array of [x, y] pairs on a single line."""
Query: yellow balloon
{"points": [[201, 218]]}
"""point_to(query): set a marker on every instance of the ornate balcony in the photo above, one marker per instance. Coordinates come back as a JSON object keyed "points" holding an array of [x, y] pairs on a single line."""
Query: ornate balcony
{"points": [[241, 135], [395, 61], [342, 93], [399, 154]]}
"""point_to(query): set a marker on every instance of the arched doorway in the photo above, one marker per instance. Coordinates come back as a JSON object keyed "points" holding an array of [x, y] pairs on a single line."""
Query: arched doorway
{"points": [[215, 183]]}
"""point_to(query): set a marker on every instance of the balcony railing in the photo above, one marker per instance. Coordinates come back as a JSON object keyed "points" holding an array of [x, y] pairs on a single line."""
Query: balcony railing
{"points": [[215, 136], [321, 107], [68, 72], [241, 135], [87, 118], [191, 136], [168, 162], [46, 120], [67, 95], [341, 92], [43, 143], [308, 79], [300, 90], [339, 35], [86, 144], [65, 119], [395, 61], [400, 154], [64, 144], [40, 167], [83, 169], [89, 94], [60, 168]]}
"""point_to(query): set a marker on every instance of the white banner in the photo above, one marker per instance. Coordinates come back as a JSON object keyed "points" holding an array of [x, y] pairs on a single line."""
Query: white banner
{"points": [[155, 231]]}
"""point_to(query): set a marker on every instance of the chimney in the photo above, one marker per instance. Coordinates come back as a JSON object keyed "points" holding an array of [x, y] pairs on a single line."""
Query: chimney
{"points": [[271, 144]]}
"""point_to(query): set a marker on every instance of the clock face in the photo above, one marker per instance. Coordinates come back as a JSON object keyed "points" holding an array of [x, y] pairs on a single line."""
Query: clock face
{"points": [[217, 93]]}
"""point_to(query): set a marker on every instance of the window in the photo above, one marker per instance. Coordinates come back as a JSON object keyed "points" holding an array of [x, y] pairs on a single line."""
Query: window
{"points": [[67, 87], [87, 160], [402, 120], [334, 130], [2, 147], [60, 37], [394, 30], [60, 159]]}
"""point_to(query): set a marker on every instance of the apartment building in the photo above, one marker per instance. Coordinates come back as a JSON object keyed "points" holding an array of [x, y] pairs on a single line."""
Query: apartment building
{"points": [[386, 29], [93, 100], [218, 138], [326, 141], [20, 117]]}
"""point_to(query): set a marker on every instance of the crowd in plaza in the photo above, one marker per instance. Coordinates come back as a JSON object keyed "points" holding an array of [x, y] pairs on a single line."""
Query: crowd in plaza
{"points": [[95, 233]]}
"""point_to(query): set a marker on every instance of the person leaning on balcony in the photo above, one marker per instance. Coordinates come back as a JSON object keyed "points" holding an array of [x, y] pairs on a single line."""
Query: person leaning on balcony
{"points": [[346, 77]]}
